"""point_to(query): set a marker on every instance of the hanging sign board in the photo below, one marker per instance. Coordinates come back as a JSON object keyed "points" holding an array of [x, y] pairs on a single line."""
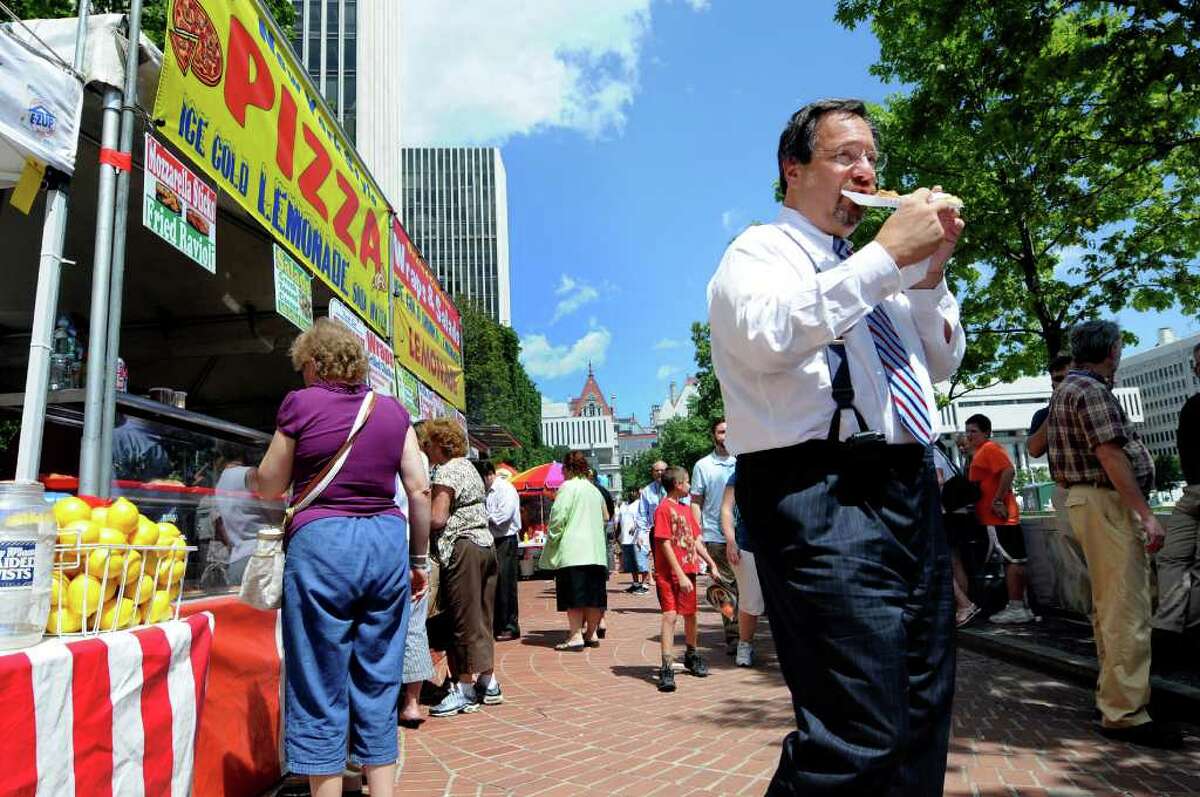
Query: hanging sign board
{"points": [[236, 102], [293, 289], [40, 104], [381, 363], [426, 330], [180, 208]]}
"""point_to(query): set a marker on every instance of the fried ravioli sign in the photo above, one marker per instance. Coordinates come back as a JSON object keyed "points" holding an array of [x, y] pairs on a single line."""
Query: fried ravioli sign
{"points": [[250, 117]]}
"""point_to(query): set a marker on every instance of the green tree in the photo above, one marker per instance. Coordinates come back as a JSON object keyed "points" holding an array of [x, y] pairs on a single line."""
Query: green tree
{"points": [[154, 13], [498, 389], [1072, 132], [708, 402], [1167, 471], [636, 474]]}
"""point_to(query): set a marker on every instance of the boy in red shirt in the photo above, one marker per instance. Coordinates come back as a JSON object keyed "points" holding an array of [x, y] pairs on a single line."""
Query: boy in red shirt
{"points": [[678, 550], [993, 471]]}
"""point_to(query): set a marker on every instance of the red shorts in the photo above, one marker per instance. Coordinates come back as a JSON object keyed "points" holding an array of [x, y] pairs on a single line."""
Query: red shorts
{"points": [[671, 598]]}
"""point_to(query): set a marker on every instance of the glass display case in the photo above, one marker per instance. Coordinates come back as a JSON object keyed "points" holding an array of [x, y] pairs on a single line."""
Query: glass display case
{"points": [[177, 466]]}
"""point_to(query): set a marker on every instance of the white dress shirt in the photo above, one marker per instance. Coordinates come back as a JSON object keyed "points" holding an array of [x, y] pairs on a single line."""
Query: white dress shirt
{"points": [[773, 317], [503, 508]]}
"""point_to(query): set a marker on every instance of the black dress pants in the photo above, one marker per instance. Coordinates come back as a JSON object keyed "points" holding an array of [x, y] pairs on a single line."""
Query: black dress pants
{"points": [[505, 619], [855, 573]]}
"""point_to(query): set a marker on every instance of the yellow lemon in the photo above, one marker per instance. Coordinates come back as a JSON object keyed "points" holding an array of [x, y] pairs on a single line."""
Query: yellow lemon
{"points": [[110, 536], [101, 561], [63, 621], [166, 531], [179, 554], [100, 515], [58, 589], [84, 596], [123, 516], [170, 572], [146, 533], [87, 531], [69, 563], [133, 566], [140, 590], [116, 614], [68, 510], [160, 608], [110, 588], [138, 616]]}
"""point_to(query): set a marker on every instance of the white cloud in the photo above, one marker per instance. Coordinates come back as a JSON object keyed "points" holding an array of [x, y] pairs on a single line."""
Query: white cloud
{"points": [[667, 343], [729, 219], [699, 5], [543, 359], [483, 71], [665, 371], [575, 295]]}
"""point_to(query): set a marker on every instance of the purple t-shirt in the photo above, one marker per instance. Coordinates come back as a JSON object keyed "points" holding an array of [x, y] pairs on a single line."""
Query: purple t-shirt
{"points": [[319, 418]]}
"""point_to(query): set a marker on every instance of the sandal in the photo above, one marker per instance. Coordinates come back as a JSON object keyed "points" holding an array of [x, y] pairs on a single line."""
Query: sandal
{"points": [[601, 632], [964, 617], [570, 647]]}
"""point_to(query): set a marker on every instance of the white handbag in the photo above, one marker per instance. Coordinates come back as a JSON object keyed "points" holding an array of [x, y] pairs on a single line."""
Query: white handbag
{"points": [[262, 582]]}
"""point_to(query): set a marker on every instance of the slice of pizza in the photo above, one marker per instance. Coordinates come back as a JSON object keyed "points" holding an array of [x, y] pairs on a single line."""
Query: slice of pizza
{"points": [[954, 201], [183, 45]]}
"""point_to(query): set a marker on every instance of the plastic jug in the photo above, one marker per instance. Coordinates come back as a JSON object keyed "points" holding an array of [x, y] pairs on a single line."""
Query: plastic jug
{"points": [[27, 537]]}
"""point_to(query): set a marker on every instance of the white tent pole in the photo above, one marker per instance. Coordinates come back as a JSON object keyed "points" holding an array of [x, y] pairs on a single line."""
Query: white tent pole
{"points": [[54, 229], [93, 407], [120, 223]]}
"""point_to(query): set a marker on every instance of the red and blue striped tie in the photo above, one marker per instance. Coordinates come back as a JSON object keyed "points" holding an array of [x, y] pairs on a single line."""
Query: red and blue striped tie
{"points": [[907, 397]]}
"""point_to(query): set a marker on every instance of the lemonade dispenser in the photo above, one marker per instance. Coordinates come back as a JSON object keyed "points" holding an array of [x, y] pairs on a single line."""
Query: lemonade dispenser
{"points": [[27, 537]]}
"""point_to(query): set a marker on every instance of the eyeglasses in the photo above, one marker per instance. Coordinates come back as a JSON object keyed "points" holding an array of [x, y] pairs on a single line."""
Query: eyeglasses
{"points": [[850, 156]]}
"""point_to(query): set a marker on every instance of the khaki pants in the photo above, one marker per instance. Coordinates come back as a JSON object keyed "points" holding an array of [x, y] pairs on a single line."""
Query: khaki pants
{"points": [[1179, 568], [1112, 542]]}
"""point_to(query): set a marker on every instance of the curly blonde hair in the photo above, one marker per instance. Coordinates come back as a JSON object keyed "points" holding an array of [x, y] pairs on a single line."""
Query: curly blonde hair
{"points": [[335, 352], [446, 436]]}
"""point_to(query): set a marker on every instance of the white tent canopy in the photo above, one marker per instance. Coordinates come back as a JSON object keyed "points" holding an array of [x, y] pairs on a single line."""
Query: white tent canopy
{"points": [[41, 97]]}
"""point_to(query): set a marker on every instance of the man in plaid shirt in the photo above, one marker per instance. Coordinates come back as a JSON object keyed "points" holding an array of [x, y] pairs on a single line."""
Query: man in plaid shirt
{"points": [[1108, 472]]}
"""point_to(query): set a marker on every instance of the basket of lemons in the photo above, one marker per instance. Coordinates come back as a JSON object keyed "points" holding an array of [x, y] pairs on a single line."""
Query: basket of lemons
{"points": [[114, 568]]}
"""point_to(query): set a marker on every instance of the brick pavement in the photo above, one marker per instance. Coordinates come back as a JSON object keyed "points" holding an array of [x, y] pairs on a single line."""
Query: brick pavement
{"points": [[593, 723]]}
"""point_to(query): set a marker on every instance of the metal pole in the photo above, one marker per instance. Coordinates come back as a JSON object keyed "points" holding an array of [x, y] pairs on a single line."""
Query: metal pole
{"points": [[54, 230], [93, 408], [120, 222]]}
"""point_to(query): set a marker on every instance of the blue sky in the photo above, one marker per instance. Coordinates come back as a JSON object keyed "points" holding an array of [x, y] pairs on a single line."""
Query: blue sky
{"points": [[639, 138]]}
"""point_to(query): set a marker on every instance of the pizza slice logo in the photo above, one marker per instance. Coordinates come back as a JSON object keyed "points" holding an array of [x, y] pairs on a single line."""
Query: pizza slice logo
{"points": [[195, 42]]}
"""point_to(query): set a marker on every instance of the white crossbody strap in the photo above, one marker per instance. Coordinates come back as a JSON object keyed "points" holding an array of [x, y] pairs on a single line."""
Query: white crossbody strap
{"points": [[363, 411]]}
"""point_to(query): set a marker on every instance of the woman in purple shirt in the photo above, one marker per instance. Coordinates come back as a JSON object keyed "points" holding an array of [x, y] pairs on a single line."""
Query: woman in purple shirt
{"points": [[349, 576]]}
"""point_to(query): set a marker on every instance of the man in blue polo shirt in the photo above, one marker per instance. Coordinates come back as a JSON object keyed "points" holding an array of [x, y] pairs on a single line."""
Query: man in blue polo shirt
{"points": [[708, 486]]}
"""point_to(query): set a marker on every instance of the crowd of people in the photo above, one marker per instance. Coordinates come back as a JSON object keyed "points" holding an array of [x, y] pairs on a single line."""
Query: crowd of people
{"points": [[825, 502]]}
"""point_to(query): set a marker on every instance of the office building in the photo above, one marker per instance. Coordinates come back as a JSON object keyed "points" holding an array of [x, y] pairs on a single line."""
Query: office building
{"points": [[1164, 376], [454, 205], [675, 405], [332, 38]]}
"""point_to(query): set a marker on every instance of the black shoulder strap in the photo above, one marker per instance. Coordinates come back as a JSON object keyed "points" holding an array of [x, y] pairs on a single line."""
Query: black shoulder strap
{"points": [[843, 389]]}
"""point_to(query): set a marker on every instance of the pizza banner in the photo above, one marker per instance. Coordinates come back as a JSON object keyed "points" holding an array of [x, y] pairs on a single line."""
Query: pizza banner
{"points": [[426, 329], [234, 100]]}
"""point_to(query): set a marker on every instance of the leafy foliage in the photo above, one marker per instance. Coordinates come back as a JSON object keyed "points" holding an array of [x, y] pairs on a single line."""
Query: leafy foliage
{"points": [[1072, 132], [1167, 471], [498, 389], [154, 12]]}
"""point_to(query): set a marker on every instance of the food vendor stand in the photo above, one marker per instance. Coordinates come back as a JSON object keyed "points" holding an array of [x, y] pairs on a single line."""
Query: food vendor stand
{"points": [[536, 488], [209, 311]]}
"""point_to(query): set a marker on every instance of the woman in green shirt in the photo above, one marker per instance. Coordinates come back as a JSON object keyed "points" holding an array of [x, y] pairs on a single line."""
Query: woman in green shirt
{"points": [[576, 551]]}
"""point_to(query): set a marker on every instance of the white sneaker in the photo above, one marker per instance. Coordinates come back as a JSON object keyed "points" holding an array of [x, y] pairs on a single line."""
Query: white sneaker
{"points": [[1013, 615], [745, 655]]}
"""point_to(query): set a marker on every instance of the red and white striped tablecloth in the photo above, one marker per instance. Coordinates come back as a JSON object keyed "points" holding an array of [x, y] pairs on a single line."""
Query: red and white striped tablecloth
{"points": [[109, 716]]}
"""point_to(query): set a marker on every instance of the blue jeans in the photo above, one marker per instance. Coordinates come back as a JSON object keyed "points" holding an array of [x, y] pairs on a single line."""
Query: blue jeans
{"points": [[856, 578], [345, 618]]}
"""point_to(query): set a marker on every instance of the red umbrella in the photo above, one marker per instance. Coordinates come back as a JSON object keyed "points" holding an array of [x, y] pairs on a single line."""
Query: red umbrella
{"points": [[542, 477]]}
